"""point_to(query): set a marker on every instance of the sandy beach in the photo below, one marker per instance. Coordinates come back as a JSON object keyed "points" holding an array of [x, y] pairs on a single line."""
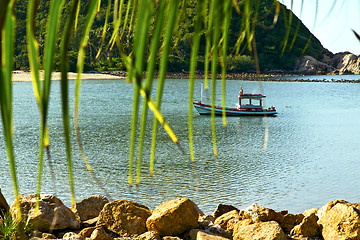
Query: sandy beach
{"points": [[22, 76]]}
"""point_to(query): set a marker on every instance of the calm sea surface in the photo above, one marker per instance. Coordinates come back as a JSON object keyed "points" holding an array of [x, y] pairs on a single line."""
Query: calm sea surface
{"points": [[312, 155]]}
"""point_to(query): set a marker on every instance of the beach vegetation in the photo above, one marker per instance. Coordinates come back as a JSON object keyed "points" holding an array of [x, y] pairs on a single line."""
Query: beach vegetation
{"points": [[11, 228]]}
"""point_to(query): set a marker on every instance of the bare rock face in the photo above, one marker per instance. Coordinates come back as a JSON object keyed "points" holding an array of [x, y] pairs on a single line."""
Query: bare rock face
{"points": [[324, 209], [52, 214], [197, 234], [290, 221], [310, 212], [86, 232], [346, 63], [309, 65], [149, 236], [260, 231], [260, 213], [124, 217], [174, 217], [205, 221], [308, 228], [222, 209], [228, 220], [72, 236], [89, 207], [241, 224], [340, 220], [99, 234]]}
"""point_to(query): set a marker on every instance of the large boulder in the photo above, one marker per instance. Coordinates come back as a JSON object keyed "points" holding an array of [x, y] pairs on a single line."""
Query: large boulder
{"points": [[89, 207], [324, 209], [197, 234], [99, 234], [260, 231], [174, 217], [309, 65], [340, 220], [308, 228], [290, 221], [124, 217], [241, 224], [52, 213], [72, 236], [228, 220], [346, 63], [310, 211], [263, 214], [86, 232], [151, 235], [222, 209], [3, 203]]}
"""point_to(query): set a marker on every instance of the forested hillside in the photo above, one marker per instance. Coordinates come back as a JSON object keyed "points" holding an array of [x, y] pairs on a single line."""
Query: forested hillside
{"points": [[278, 46]]}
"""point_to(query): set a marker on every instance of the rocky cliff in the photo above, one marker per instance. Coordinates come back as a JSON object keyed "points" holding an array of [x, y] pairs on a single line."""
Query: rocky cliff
{"points": [[338, 64]]}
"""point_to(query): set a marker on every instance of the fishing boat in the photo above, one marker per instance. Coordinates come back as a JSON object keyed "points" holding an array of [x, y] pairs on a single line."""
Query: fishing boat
{"points": [[249, 105]]}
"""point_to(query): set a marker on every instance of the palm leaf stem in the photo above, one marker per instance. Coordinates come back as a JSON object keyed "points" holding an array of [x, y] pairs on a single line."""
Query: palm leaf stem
{"points": [[193, 66], [216, 15], [136, 74], [171, 20], [7, 39], [92, 9], [155, 44]]}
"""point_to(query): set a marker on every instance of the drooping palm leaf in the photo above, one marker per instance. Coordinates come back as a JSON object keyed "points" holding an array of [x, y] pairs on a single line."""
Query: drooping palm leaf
{"points": [[209, 23], [288, 29], [216, 15], [193, 65], [136, 74], [64, 66], [225, 39], [104, 28], [34, 61], [154, 49], [7, 39], [92, 10], [170, 26]]}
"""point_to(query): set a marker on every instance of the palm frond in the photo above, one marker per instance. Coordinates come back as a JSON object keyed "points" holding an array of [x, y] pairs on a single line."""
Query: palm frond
{"points": [[193, 65], [170, 22], [7, 39], [92, 9]]}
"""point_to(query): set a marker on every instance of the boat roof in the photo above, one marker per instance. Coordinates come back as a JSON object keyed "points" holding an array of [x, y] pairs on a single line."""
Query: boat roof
{"points": [[251, 96]]}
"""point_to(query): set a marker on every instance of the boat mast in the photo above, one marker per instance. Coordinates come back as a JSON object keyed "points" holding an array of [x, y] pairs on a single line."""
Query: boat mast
{"points": [[201, 98]]}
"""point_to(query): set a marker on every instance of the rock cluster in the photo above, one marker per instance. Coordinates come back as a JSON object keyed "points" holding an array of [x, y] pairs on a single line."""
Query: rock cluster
{"points": [[96, 218], [338, 64]]}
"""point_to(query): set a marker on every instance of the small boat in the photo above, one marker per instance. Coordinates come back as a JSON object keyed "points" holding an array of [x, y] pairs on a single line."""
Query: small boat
{"points": [[249, 105]]}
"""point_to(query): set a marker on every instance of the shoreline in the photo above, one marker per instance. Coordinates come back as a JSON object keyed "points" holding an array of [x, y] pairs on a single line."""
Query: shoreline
{"points": [[25, 76], [96, 217], [265, 77]]}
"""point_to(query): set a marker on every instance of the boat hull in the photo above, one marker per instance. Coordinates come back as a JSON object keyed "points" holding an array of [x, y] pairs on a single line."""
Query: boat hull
{"points": [[204, 109]]}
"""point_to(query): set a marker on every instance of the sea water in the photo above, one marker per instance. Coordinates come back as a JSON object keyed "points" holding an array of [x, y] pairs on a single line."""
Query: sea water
{"points": [[306, 156]]}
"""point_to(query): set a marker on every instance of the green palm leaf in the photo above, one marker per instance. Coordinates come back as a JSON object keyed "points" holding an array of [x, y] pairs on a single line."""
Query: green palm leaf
{"points": [[170, 26], [7, 39]]}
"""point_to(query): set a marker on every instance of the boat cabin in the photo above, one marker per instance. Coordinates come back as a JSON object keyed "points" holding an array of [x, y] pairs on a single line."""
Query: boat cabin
{"points": [[250, 101]]}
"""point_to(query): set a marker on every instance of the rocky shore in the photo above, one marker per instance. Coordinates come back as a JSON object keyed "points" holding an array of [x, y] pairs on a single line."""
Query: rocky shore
{"points": [[278, 76], [293, 76], [96, 218], [337, 64]]}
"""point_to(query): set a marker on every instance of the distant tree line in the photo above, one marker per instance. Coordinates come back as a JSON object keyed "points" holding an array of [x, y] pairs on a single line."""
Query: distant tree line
{"points": [[277, 49]]}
